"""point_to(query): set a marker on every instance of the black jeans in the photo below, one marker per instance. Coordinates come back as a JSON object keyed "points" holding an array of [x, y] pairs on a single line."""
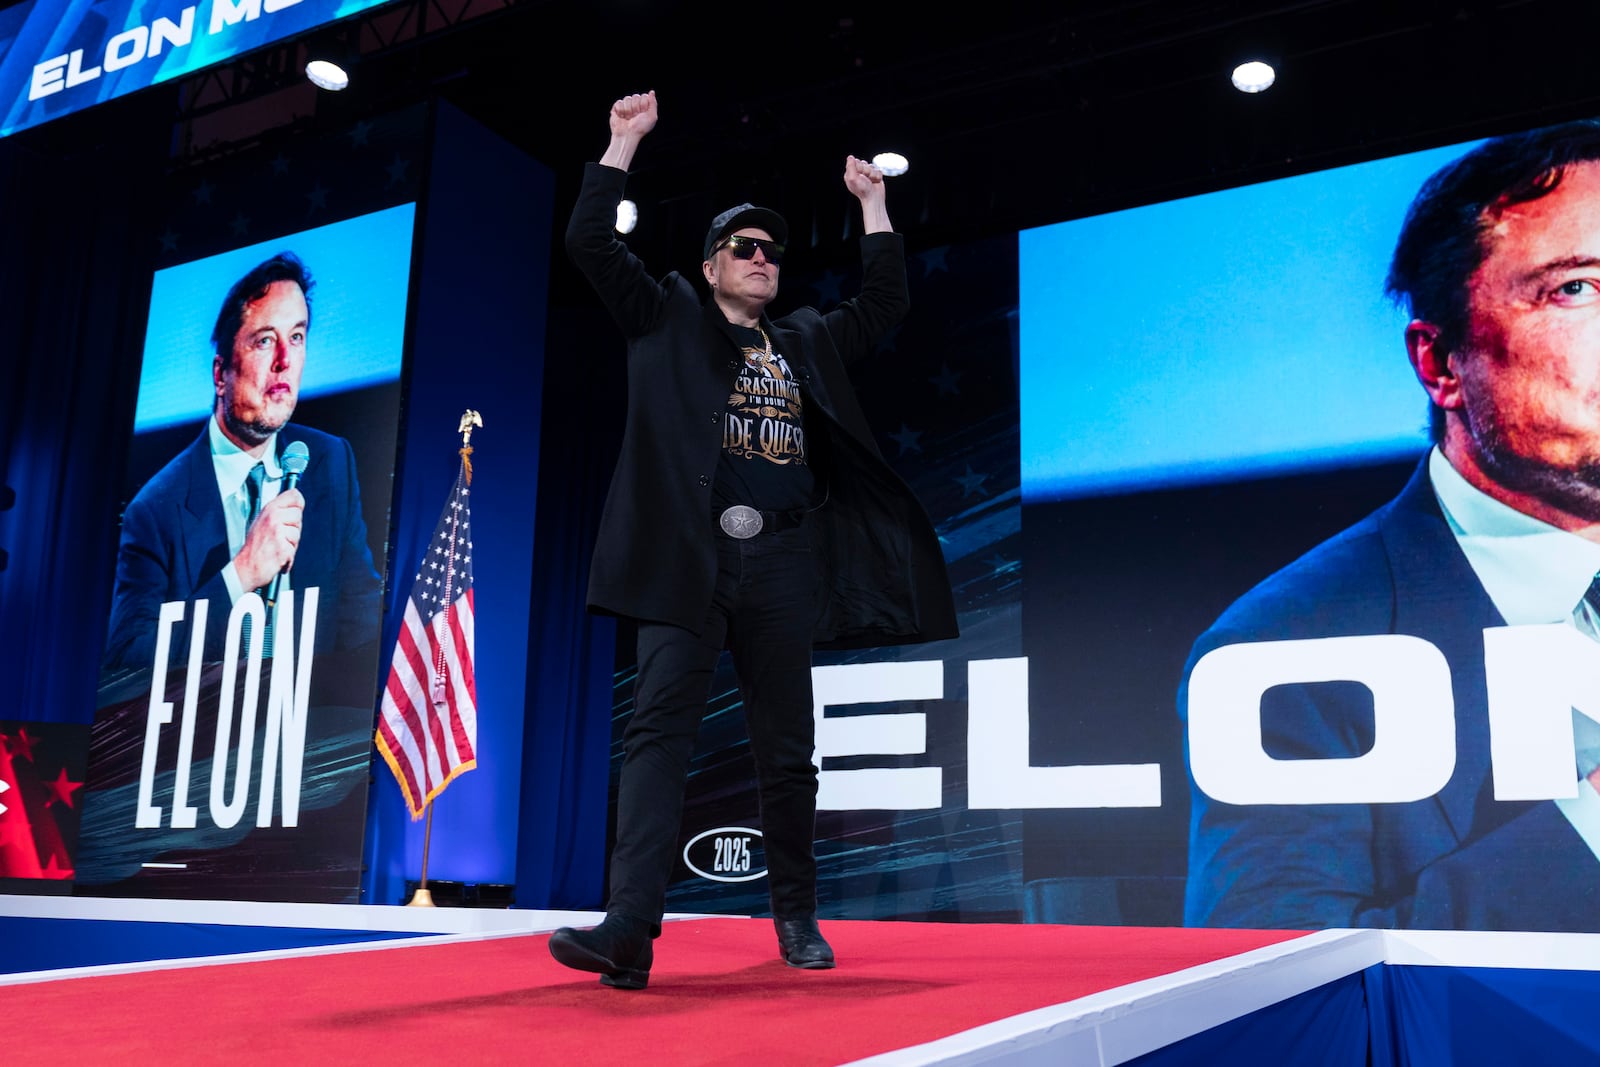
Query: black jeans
{"points": [[762, 612]]}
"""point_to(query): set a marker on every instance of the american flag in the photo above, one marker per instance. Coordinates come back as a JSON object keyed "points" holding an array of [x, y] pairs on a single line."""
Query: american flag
{"points": [[428, 731]]}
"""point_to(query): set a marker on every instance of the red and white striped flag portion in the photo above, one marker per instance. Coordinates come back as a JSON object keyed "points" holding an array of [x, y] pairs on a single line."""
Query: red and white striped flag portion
{"points": [[428, 731]]}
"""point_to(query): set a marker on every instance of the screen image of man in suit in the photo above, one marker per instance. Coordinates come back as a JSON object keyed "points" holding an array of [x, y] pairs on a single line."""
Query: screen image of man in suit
{"points": [[221, 518], [1498, 265]]}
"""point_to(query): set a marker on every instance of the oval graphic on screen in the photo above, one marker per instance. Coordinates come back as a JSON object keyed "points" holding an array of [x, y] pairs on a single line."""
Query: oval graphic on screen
{"points": [[726, 854]]}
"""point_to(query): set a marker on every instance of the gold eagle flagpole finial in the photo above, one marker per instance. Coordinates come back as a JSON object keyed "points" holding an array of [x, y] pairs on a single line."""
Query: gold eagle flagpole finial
{"points": [[469, 419]]}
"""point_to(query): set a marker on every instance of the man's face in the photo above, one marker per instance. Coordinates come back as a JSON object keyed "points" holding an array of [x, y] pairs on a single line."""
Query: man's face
{"points": [[1529, 367], [753, 280], [259, 383]]}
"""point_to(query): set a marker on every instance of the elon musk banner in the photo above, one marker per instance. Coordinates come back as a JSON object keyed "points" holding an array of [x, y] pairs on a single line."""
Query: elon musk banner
{"points": [[230, 752], [61, 56]]}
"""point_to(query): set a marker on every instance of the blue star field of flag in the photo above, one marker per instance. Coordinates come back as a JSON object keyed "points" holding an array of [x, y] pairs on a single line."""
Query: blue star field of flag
{"points": [[445, 573]]}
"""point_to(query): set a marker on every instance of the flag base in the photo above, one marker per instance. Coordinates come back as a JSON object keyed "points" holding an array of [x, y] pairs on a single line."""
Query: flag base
{"points": [[420, 899]]}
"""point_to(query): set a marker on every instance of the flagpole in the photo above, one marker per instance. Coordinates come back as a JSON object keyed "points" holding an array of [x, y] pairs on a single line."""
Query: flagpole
{"points": [[422, 898]]}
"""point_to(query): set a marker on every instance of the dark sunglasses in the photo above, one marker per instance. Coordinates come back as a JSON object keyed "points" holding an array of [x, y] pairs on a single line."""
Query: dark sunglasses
{"points": [[745, 248]]}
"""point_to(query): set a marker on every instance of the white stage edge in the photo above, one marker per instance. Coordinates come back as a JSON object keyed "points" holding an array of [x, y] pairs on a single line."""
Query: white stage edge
{"points": [[371, 917], [1121, 1024]]}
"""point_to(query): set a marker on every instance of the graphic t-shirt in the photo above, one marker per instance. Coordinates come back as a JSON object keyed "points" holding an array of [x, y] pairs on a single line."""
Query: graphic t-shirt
{"points": [[763, 434]]}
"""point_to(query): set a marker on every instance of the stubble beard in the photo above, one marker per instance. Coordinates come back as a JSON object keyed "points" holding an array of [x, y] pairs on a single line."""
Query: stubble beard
{"points": [[254, 431], [1574, 490]]}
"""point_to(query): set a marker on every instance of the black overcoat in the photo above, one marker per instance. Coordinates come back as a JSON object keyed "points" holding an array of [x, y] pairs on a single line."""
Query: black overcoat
{"points": [[883, 574]]}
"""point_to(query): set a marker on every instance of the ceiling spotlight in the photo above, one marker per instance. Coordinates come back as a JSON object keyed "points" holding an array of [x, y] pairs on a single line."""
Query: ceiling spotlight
{"points": [[891, 163], [1253, 77], [326, 74], [627, 216]]}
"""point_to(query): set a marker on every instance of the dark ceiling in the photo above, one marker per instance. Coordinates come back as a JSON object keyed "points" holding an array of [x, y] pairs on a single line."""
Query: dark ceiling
{"points": [[1012, 114]]}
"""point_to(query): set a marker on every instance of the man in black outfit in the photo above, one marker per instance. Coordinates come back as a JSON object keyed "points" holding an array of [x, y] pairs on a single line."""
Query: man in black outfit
{"points": [[750, 510]]}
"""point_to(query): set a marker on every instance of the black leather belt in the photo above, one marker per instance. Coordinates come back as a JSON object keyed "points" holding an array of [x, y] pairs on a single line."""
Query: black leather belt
{"points": [[743, 522]]}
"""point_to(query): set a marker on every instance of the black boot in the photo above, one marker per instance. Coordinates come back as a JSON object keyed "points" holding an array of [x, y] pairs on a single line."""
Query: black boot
{"points": [[801, 944], [619, 950]]}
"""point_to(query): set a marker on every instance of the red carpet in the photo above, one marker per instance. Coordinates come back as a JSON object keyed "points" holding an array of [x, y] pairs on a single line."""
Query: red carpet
{"points": [[717, 995]]}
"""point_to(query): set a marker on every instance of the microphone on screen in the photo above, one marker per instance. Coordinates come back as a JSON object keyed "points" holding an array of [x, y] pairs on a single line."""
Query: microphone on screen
{"points": [[295, 458]]}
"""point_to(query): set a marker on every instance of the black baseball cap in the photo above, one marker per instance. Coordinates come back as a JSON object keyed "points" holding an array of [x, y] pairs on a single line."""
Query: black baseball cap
{"points": [[736, 218]]}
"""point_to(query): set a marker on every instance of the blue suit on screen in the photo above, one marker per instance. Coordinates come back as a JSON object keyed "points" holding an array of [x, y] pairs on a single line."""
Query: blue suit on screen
{"points": [[174, 546], [1456, 860]]}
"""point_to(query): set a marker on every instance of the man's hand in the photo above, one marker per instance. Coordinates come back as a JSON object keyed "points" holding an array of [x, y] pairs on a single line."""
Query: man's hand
{"points": [[865, 181], [634, 115], [862, 178], [270, 543], [631, 118]]}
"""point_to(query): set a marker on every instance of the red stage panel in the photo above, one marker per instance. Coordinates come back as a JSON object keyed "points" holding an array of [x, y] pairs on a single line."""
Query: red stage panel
{"points": [[718, 994]]}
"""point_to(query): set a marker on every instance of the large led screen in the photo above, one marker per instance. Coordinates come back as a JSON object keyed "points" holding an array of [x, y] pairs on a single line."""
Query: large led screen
{"points": [[231, 748], [1271, 573], [1315, 457]]}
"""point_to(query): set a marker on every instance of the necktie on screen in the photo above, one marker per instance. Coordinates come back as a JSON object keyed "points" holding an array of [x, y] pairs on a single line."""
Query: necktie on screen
{"points": [[252, 488], [1585, 731]]}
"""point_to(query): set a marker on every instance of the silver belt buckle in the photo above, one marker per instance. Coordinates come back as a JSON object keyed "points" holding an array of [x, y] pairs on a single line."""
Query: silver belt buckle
{"points": [[740, 521]]}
